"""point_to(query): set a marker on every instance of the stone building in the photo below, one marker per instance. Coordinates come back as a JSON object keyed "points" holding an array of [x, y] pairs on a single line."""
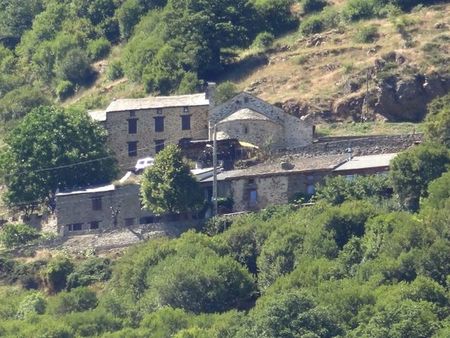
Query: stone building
{"points": [[250, 119], [115, 205], [365, 165], [274, 183], [142, 127]]}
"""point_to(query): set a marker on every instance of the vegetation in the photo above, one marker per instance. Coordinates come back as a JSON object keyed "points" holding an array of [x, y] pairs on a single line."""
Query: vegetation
{"points": [[168, 187], [12, 235], [53, 149]]}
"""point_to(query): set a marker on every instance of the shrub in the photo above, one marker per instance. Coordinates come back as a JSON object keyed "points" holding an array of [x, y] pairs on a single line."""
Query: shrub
{"points": [[75, 67], [366, 34], [56, 273], [13, 235], [225, 91], [32, 304], [217, 225], [77, 300], [264, 40], [64, 89], [355, 10], [115, 70], [90, 271], [311, 25], [98, 49], [313, 5]]}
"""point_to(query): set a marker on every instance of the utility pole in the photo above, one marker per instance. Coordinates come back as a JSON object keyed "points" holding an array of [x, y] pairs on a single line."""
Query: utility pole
{"points": [[215, 169]]}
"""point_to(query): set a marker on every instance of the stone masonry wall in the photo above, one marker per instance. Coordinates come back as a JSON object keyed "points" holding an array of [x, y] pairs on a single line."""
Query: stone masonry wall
{"points": [[118, 136], [117, 206]]}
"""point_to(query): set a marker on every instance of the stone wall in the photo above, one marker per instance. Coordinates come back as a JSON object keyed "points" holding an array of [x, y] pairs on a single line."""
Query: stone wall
{"points": [[118, 207], [294, 132], [360, 145], [146, 136], [258, 132]]}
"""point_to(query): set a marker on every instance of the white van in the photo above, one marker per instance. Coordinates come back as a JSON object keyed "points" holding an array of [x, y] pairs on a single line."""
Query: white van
{"points": [[143, 163]]}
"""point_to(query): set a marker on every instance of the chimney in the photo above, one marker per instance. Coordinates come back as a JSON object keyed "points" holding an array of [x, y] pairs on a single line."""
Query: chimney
{"points": [[210, 93]]}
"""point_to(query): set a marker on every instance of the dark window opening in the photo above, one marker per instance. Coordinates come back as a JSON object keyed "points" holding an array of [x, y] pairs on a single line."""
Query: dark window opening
{"points": [[245, 130], [159, 145], [186, 122], [159, 111], [129, 222], [94, 225], [147, 220], [75, 227], [159, 124], [97, 203], [132, 149], [132, 126], [253, 198]]}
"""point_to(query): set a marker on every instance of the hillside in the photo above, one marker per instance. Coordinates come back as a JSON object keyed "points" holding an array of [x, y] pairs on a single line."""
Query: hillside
{"points": [[336, 59]]}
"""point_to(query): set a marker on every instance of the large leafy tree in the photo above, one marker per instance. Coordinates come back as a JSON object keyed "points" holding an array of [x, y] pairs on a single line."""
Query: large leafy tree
{"points": [[414, 169], [53, 149], [438, 120], [168, 186]]}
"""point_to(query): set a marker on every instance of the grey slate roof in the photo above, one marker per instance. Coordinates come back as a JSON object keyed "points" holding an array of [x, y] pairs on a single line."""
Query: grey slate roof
{"points": [[367, 162], [153, 102], [98, 115], [247, 114]]}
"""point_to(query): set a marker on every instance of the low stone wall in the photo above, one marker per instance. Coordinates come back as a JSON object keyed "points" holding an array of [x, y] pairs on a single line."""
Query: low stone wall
{"points": [[364, 145]]}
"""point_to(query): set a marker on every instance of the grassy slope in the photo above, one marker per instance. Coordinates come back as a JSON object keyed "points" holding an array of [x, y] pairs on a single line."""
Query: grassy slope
{"points": [[314, 75]]}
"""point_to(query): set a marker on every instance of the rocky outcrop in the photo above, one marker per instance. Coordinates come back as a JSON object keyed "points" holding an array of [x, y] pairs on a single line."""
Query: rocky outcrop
{"points": [[406, 99]]}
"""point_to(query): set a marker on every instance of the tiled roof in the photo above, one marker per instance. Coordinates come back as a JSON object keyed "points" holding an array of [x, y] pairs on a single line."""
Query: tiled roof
{"points": [[246, 114], [367, 162], [153, 102], [273, 168]]}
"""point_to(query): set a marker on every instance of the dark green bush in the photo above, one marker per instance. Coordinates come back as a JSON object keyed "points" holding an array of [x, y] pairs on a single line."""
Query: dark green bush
{"points": [[98, 49], [64, 89], [312, 24], [15, 234], [115, 70], [77, 300], [366, 34], [90, 271], [313, 5], [56, 272], [264, 40]]}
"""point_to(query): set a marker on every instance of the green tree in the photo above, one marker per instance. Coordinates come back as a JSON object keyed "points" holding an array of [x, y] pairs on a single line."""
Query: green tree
{"points": [[412, 171], [53, 149], [12, 235], [438, 120], [56, 272], [168, 186], [225, 91]]}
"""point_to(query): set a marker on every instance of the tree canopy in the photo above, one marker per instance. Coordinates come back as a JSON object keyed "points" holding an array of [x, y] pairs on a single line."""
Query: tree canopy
{"points": [[168, 186], [53, 149]]}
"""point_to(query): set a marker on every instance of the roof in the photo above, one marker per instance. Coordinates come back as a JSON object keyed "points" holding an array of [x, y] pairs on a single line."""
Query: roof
{"points": [[273, 168], [158, 102], [367, 162], [98, 115], [245, 114], [105, 188]]}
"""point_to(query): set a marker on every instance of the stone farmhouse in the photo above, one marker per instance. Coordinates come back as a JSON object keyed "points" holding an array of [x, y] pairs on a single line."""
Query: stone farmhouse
{"points": [[142, 127]]}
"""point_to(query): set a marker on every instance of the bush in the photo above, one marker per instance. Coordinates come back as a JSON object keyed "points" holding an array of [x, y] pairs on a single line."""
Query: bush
{"points": [[225, 91], [13, 235], [32, 304], [75, 67], [64, 89], [77, 300], [366, 34], [264, 40], [98, 49], [313, 5], [90, 271], [311, 25], [355, 10], [56, 273], [115, 70]]}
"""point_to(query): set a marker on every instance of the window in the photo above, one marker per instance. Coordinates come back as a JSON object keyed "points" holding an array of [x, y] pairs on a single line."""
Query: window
{"points": [[132, 149], [75, 227], [129, 222], [185, 110], [185, 122], [245, 130], [94, 225], [132, 126], [159, 111], [310, 189], [253, 198], [159, 145], [146, 220], [159, 124], [251, 181], [96, 203]]}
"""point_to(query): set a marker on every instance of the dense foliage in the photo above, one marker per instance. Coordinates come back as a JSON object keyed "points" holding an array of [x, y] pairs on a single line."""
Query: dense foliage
{"points": [[53, 149]]}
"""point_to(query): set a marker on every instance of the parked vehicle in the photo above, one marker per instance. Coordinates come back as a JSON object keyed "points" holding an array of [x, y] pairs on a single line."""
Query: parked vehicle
{"points": [[143, 163]]}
